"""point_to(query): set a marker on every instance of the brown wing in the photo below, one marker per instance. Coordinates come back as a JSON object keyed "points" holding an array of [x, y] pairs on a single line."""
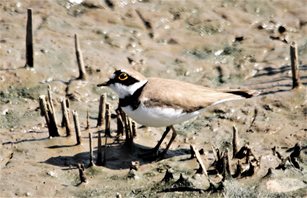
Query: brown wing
{"points": [[180, 94]]}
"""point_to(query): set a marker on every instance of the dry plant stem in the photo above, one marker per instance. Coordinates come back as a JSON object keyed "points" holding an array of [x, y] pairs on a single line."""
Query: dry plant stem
{"points": [[102, 110], [91, 149], [202, 169], [63, 108], [130, 130], [99, 150], [254, 118], [129, 138], [66, 120], [133, 129], [87, 121], [50, 100], [120, 126], [108, 121], [294, 65], [53, 128], [235, 141], [43, 108], [29, 41], [82, 73], [82, 176], [77, 127], [226, 166], [67, 103]]}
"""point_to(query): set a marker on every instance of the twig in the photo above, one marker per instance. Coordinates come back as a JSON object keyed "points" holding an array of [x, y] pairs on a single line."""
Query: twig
{"points": [[226, 166], [119, 121], [29, 41], [202, 169], [50, 100], [87, 121], [52, 127], [108, 121], [77, 127], [253, 120], [82, 72], [66, 121], [43, 108], [294, 65], [133, 129], [102, 110], [235, 141]]}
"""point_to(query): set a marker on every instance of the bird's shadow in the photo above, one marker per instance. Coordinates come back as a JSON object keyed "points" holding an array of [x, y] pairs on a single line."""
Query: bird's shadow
{"points": [[115, 156]]}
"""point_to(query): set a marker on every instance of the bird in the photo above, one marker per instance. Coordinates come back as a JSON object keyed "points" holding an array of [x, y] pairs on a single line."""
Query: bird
{"points": [[161, 102]]}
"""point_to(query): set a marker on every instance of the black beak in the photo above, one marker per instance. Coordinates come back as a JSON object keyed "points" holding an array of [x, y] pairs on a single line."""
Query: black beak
{"points": [[104, 84]]}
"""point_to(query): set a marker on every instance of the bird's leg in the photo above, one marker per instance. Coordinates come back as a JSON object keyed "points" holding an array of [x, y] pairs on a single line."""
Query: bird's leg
{"points": [[156, 148], [154, 151], [174, 134]]}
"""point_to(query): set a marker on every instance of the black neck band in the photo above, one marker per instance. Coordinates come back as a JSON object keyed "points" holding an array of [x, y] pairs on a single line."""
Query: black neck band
{"points": [[132, 100]]}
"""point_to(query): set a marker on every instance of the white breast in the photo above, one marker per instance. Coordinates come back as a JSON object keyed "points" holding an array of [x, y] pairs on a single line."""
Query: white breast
{"points": [[157, 116]]}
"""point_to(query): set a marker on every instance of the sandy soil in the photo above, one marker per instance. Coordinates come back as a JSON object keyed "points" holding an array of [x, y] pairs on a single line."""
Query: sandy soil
{"points": [[223, 44]]}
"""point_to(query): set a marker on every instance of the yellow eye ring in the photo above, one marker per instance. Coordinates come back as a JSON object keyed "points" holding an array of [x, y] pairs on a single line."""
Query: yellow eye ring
{"points": [[123, 76]]}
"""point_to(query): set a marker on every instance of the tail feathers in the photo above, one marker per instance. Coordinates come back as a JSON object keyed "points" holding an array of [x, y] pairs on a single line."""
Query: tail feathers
{"points": [[244, 93]]}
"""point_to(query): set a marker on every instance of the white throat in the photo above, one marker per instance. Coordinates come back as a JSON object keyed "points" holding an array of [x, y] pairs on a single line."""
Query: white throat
{"points": [[123, 90]]}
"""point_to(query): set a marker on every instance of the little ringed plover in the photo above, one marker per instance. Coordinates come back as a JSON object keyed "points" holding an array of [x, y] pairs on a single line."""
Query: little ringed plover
{"points": [[158, 102]]}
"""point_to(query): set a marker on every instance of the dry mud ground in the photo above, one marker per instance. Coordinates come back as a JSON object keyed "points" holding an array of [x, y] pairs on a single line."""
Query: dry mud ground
{"points": [[212, 43]]}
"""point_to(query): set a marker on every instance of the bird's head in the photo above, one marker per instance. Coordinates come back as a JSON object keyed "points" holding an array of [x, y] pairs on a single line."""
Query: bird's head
{"points": [[125, 82]]}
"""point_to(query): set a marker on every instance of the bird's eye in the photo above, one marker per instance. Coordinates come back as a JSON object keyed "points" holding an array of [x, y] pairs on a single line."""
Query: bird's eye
{"points": [[123, 76]]}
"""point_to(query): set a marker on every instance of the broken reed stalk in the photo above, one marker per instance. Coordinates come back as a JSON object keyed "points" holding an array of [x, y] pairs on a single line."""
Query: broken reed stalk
{"points": [[99, 151], [235, 141], [226, 166], [102, 110], [108, 121], [49, 115], [77, 127], [120, 126], [294, 65], [82, 176], [50, 100], [66, 121], [43, 108], [87, 121], [82, 72], [133, 129], [129, 129], [53, 128], [91, 149], [29, 41], [202, 169]]}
